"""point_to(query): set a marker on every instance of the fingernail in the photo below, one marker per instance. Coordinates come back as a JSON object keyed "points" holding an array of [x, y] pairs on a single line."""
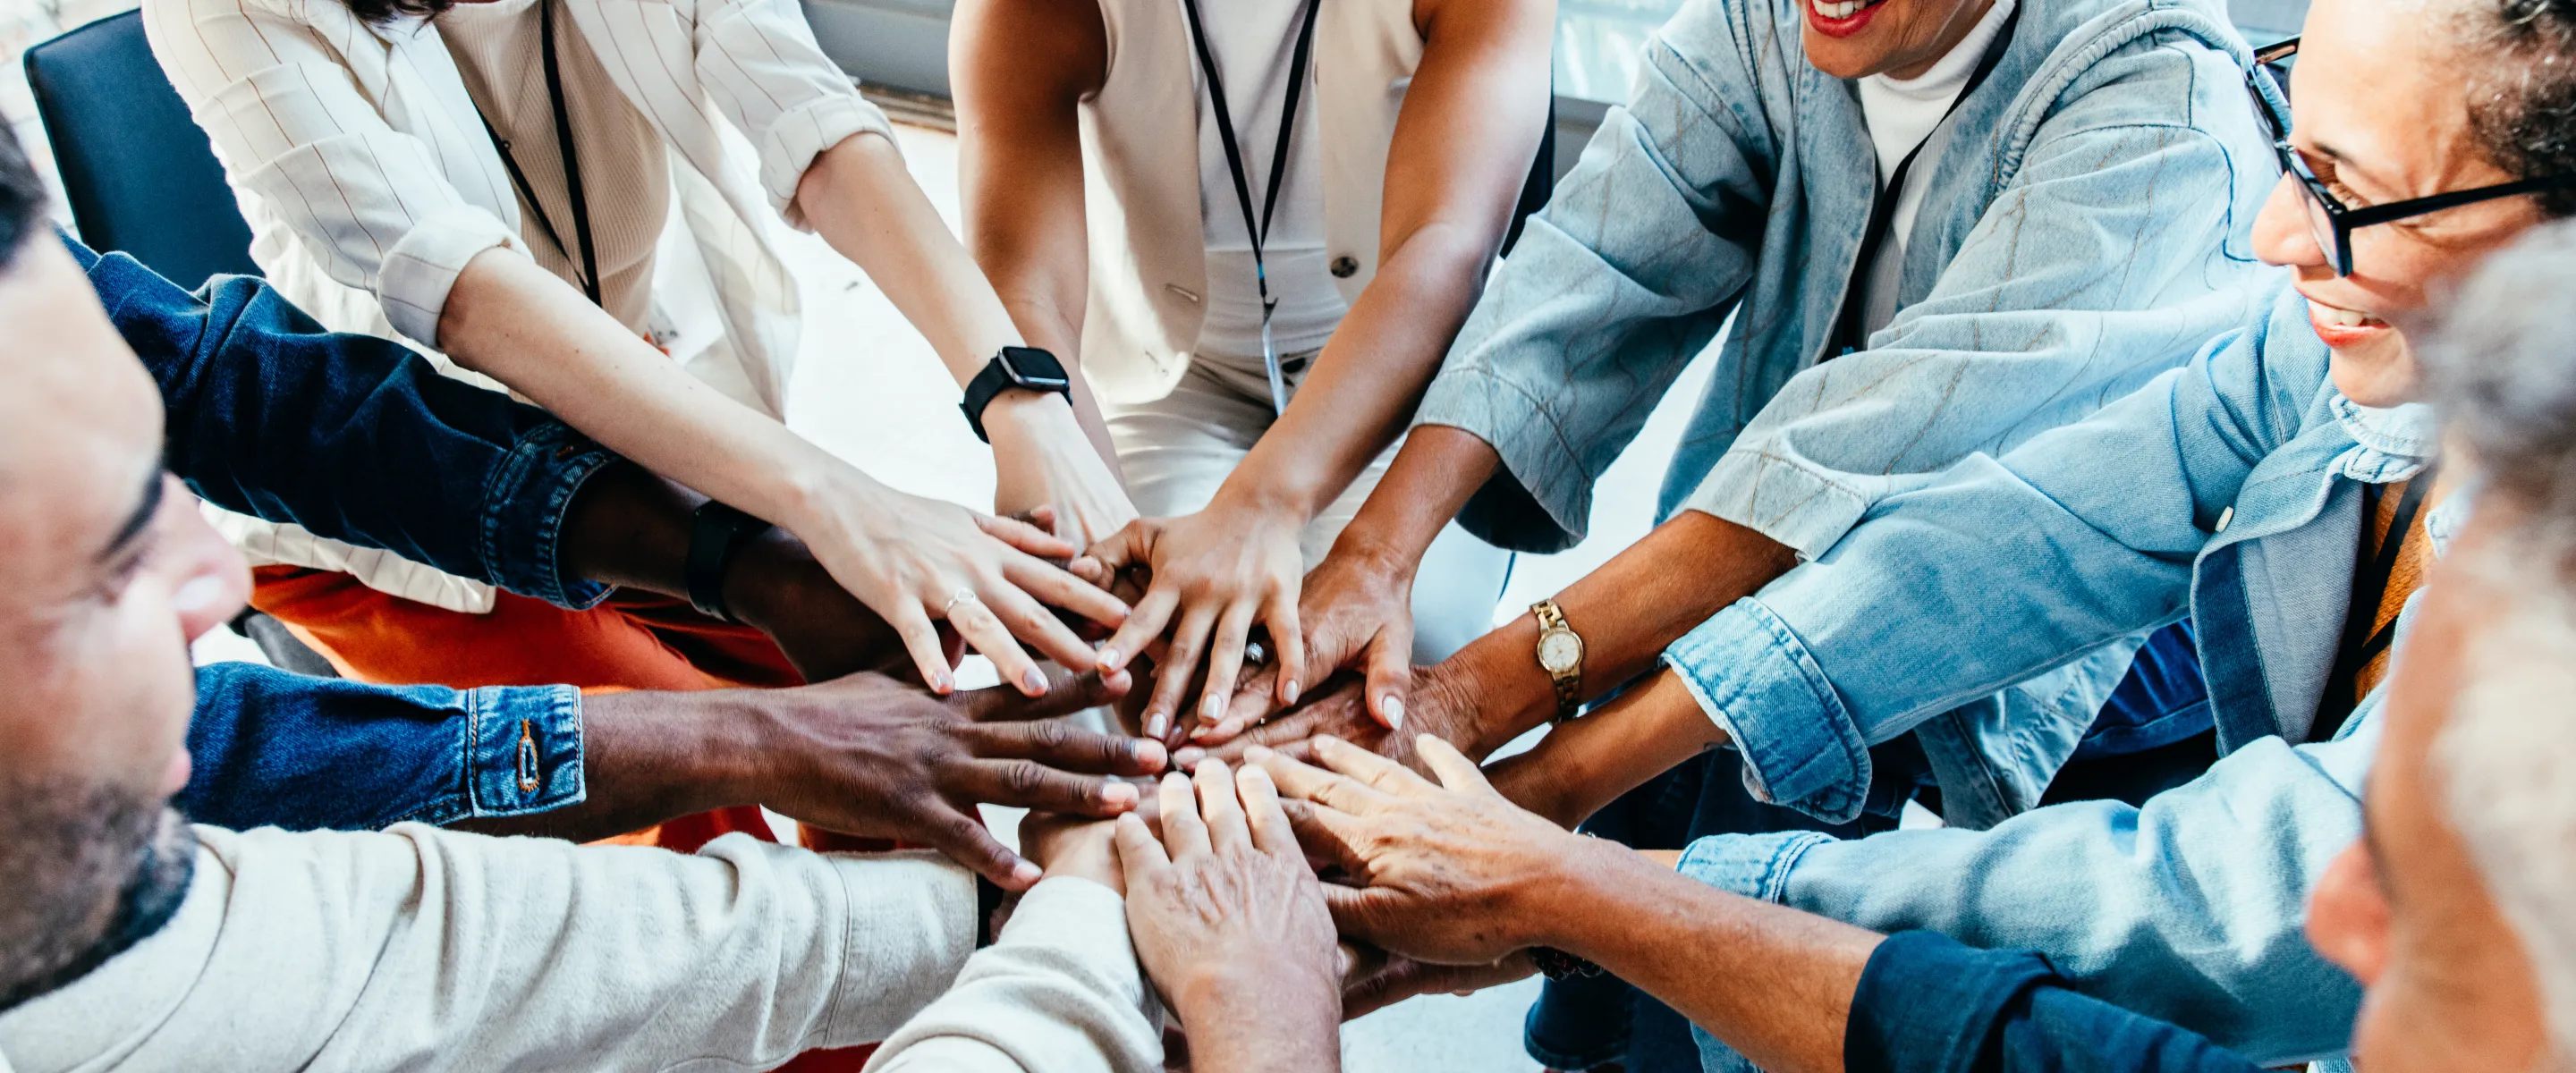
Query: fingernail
{"points": [[1176, 779], [1118, 793], [1036, 680], [1187, 756], [942, 683], [1211, 707], [1394, 707], [1025, 873], [1148, 753], [1288, 691], [1108, 660], [1155, 725]]}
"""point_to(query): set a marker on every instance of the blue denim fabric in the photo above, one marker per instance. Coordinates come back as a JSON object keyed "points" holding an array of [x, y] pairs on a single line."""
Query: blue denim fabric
{"points": [[2231, 489], [271, 748], [1927, 1004], [269, 415]]}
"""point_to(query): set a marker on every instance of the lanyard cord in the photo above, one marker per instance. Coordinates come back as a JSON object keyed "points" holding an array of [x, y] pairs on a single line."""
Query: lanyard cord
{"points": [[571, 163], [1278, 168], [1850, 328]]}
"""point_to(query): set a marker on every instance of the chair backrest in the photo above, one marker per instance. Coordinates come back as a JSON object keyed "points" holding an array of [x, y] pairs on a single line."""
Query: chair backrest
{"points": [[139, 174]]}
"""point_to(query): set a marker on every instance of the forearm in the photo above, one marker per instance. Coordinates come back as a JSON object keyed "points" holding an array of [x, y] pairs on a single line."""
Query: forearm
{"points": [[1366, 382], [1430, 480], [859, 196], [1773, 983], [513, 321], [1627, 611], [647, 757], [1256, 1025], [1582, 766]]}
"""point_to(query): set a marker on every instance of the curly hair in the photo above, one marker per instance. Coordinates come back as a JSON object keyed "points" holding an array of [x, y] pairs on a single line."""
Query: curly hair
{"points": [[22, 198], [380, 12], [2522, 107]]}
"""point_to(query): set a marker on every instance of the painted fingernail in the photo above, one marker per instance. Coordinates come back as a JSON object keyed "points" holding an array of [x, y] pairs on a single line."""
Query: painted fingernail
{"points": [[1155, 725], [1117, 793], [942, 683], [1108, 659], [1187, 756], [1211, 707], [1394, 708], [1288, 691], [1036, 680], [1025, 873], [1148, 753]]}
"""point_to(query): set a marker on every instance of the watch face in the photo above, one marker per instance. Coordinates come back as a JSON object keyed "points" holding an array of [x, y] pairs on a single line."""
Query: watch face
{"points": [[1560, 651]]}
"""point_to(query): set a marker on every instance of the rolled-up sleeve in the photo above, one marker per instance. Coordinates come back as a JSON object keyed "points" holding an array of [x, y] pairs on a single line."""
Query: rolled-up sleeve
{"points": [[287, 104], [765, 72], [272, 749], [1926, 1004]]}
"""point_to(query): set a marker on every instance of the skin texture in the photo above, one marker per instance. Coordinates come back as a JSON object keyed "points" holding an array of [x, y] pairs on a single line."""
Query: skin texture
{"points": [[101, 585], [1471, 122]]}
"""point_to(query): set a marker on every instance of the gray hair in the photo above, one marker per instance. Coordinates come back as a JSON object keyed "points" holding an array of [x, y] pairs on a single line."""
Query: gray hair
{"points": [[2504, 372]]}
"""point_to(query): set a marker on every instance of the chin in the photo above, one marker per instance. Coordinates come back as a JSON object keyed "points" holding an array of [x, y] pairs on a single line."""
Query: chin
{"points": [[2377, 373]]}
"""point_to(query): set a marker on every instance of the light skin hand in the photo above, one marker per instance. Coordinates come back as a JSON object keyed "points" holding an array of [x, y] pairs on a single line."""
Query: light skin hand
{"points": [[1357, 608], [1220, 571], [1231, 926], [1080, 847]]}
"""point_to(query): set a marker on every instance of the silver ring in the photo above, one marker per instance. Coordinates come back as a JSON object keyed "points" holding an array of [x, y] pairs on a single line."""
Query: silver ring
{"points": [[963, 596], [1254, 654]]}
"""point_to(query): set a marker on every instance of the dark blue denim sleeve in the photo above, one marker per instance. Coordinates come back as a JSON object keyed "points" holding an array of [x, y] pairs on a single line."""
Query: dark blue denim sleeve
{"points": [[353, 437], [1927, 1004], [269, 748]]}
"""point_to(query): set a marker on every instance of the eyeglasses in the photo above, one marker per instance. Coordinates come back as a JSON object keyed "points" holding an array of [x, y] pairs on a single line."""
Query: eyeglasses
{"points": [[2328, 218]]}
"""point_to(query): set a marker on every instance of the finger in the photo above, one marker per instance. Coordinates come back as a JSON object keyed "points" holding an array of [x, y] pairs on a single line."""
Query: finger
{"points": [[1139, 855], [985, 633], [1271, 831], [929, 653], [1452, 767], [1357, 910], [1066, 746], [1325, 834], [1026, 537], [1323, 787], [1065, 695], [1290, 638], [1038, 627], [1219, 808], [963, 839], [1128, 548], [1179, 663], [1053, 586], [1225, 659], [1144, 623], [1183, 831], [1031, 785], [1390, 673], [1380, 773]]}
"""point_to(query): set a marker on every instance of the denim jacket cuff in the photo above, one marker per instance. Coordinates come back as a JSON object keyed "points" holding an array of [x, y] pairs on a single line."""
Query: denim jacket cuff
{"points": [[1541, 499], [523, 750], [1754, 678], [530, 493], [1779, 497], [1755, 866]]}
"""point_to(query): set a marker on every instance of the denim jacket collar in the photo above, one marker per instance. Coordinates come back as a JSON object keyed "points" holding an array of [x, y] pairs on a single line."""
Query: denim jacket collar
{"points": [[2389, 443]]}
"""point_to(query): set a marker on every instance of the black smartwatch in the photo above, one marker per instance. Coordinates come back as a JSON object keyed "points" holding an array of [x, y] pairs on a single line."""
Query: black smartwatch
{"points": [[716, 531], [1026, 368]]}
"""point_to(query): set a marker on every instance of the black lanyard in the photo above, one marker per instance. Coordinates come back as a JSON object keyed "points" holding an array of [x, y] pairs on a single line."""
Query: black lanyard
{"points": [[571, 164], [1850, 329], [2362, 643], [1278, 170]]}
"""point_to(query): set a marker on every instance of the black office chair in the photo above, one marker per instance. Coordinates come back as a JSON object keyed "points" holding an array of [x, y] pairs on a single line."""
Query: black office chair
{"points": [[140, 176]]}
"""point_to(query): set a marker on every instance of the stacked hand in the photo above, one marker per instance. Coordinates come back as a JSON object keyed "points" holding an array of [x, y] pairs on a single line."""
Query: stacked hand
{"points": [[1043, 461]]}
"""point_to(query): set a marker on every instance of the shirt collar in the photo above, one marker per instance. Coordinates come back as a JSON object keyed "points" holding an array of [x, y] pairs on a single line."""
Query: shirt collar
{"points": [[2390, 443]]}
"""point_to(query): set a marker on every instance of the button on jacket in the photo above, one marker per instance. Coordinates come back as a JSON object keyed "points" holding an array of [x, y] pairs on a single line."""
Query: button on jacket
{"points": [[2190, 909], [267, 414]]}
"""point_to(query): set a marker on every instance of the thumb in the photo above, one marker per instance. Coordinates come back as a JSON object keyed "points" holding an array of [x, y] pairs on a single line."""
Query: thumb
{"points": [[1390, 674]]}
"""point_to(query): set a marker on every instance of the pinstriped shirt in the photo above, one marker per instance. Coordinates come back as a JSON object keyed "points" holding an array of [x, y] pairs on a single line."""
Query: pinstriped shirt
{"points": [[369, 182]]}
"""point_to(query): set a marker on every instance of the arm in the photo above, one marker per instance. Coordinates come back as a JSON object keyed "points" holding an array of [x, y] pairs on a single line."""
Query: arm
{"points": [[1926, 1004], [1471, 120], [400, 950], [1059, 991]]}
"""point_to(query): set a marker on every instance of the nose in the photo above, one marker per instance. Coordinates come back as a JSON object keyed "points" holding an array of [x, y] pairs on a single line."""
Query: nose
{"points": [[213, 581], [2281, 232]]}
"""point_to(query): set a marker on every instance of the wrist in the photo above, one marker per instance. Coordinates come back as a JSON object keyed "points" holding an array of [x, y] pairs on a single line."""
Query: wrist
{"points": [[1582, 876], [678, 753], [1501, 682], [1253, 990]]}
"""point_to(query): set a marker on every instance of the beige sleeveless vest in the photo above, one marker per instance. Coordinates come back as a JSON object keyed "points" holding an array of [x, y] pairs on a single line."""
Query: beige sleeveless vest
{"points": [[1141, 177]]}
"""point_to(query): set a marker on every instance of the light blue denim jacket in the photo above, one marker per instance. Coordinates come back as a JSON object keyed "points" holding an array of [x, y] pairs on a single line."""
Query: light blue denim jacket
{"points": [[2231, 490]]}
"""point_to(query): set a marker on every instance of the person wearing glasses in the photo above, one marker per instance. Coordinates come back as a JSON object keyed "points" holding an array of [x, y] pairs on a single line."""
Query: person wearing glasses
{"points": [[2284, 490], [543, 193]]}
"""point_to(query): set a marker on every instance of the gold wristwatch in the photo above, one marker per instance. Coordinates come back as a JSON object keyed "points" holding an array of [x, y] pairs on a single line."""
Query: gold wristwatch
{"points": [[1560, 654]]}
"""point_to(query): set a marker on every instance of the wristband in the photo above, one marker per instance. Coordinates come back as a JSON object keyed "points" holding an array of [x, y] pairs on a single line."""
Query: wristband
{"points": [[1025, 368], [716, 531]]}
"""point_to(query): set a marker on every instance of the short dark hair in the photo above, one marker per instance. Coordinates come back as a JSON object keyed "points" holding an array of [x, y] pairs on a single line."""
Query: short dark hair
{"points": [[2522, 104], [22, 198], [380, 12]]}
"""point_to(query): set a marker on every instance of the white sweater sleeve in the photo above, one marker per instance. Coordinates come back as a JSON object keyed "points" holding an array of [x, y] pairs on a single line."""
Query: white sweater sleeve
{"points": [[423, 949], [1059, 992]]}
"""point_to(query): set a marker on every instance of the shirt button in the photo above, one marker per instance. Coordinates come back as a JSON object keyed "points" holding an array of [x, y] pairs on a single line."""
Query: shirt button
{"points": [[1345, 266], [2225, 515]]}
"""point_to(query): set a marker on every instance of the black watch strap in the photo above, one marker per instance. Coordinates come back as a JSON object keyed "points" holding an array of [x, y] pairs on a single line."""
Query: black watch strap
{"points": [[716, 531], [1025, 368]]}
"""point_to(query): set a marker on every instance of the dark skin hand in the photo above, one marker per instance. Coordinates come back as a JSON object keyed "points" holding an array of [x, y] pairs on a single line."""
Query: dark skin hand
{"points": [[864, 754]]}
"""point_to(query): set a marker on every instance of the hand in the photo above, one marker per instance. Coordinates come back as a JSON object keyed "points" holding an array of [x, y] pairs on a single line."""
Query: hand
{"points": [[1382, 980], [1230, 924], [1358, 609], [1042, 459], [867, 755], [1440, 707], [1454, 874], [913, 560], [777, 587], [1069, 845], [1218, 571]]}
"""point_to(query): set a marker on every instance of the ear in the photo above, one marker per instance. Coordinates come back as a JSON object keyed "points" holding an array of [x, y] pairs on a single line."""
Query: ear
{"points": [[2348, 915]]}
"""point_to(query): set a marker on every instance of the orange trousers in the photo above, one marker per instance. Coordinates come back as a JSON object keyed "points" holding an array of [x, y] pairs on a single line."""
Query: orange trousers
{"points": [[633, 640]]}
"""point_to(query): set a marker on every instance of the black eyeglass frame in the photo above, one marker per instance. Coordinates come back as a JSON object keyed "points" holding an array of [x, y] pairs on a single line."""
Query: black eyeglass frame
{"points": [[2334, 232]]}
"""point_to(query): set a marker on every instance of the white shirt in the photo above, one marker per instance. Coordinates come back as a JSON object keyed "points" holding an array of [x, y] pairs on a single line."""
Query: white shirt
{"points": [[1254, 42], [1059, 991], [1901, 113]]}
